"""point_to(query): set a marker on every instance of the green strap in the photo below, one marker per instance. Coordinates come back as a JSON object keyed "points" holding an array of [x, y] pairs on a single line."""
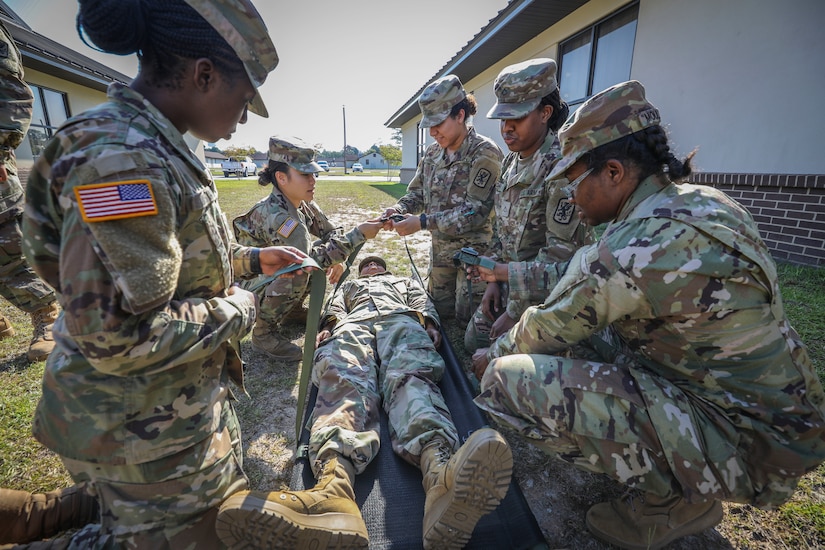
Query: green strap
{"points": [[318, 287]]}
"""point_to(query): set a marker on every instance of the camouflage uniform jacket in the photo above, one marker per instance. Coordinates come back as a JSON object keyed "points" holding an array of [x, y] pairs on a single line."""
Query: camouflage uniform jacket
{"points": [[368, 298], [533, 216], [686, 283], [143, 354], [15, 116], [274, 221], [456, 191]]}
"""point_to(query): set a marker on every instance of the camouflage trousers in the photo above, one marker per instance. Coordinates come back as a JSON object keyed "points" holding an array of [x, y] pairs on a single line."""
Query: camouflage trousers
{"points": [[448, 290], [171, 503], [623, 420], [277, 297], [391, 361], [478, 330], [19, 284]]}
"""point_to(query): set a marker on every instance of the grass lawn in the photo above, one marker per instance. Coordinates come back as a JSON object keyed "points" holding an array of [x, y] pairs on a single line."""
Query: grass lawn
{"points": [[25, 464]]}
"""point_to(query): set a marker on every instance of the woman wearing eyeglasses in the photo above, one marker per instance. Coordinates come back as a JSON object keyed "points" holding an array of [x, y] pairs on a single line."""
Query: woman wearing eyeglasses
{"points": [[662, 356]]}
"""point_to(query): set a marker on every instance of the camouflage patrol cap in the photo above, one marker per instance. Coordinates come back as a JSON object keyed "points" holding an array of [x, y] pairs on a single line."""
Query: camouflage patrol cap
{"points": [[609, 115], [377, 259], [519, 88], [239, 23], [295, 153], [439, 98]]}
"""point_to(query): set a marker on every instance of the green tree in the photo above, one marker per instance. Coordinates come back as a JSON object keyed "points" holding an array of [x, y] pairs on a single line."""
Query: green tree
{"points": [[397, 137], [391, 153], [244, 151]]}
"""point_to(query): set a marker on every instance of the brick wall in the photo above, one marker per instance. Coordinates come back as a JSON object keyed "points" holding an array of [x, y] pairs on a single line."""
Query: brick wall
{"points": [[788, 208]]}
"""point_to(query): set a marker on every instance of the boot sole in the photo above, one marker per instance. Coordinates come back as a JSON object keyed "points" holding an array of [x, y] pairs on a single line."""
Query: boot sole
{"points": [[709, 519], [247, 522], [481, 482]]}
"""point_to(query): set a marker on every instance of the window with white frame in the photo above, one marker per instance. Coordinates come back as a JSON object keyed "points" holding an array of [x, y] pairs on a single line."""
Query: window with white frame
{"points": [[597, 57], [51, 109]]}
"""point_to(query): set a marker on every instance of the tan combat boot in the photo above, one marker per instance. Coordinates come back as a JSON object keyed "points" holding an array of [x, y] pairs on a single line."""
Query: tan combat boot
{"points": [[6, 330], [26, 517], [42, 342], [296, 316], [325, 516], [267, 339], [649, 521], [462, 487]]}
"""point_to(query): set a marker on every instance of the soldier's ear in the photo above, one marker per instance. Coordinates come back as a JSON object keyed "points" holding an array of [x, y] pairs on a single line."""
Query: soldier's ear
{"points": [[615, 170], [204, 74]]}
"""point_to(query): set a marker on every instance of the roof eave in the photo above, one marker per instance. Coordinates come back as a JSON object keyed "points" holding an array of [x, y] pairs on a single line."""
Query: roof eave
{"points": [[514, 26]]}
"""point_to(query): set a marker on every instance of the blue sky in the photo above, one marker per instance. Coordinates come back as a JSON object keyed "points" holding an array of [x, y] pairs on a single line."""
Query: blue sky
{"points": [[367, 55]]}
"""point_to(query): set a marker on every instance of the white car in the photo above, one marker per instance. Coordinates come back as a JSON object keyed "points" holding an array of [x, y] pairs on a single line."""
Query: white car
{"points": [[323, 164], [356, 167]]}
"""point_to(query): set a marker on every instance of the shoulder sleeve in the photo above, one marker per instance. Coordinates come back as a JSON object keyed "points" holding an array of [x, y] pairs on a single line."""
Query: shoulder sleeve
{"points": [[141, 253]]}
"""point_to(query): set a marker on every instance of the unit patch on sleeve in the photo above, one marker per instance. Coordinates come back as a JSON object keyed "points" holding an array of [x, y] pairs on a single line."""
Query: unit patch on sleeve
{"points": [[482, 178], [287, 227], [117, 200], [564, 212]]}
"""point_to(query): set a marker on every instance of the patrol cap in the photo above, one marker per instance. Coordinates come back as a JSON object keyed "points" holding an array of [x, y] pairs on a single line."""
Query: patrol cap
{"points": [[520, 87], [239, 23], [294, 152], [439, 98], [377, 259], [609, 115]]}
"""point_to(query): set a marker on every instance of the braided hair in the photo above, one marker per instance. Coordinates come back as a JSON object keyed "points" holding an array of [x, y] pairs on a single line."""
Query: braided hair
{"points": [[560, 110], [163, 33], [648, 150]]}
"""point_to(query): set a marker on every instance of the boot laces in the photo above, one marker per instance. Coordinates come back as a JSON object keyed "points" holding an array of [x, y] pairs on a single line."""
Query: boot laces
{"points": [[40, 320]]}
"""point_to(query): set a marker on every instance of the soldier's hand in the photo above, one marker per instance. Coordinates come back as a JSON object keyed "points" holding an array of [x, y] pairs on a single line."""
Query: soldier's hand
{"points": [[410, 225], [491, 302], [3, 174], [235, 290], [434, 334], [480, 362], [370, 228], [503, 324], [322, 335], [274, 258], [489, 275], [334, 273]]}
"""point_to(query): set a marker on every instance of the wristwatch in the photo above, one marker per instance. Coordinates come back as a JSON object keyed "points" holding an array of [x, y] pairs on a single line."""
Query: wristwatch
{"points": [[423, 219]]}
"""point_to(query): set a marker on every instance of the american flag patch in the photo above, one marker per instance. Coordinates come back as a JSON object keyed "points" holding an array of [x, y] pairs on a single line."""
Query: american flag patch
{"points": [[115, 201], [287, 227]]}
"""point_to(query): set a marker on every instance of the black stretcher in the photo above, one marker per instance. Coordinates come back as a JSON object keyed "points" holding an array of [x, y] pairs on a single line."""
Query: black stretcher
{"points": [[390, 494]]}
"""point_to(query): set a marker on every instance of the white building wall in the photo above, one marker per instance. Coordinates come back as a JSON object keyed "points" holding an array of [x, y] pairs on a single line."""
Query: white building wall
{"points": [[80, 99], [742, 80]]}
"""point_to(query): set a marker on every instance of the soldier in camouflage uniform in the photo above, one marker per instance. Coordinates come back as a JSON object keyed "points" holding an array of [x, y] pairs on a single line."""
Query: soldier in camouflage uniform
{"points": [[377, 346], [122, 220], [289, 216], [684, 379], [452, 190], [534, 221], [18, 283]]}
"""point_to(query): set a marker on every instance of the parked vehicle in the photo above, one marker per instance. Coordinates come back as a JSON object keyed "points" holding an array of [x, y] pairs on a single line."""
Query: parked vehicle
{"points": [[241, 166], [324, 164], [356, 167]]}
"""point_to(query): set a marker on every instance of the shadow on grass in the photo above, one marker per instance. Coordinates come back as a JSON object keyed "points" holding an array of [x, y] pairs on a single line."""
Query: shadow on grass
{"points": [[12, 364], [395, 190]]}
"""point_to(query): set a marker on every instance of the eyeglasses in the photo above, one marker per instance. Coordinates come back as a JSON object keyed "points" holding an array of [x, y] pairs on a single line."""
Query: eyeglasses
{"points": [[570, 189]]}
